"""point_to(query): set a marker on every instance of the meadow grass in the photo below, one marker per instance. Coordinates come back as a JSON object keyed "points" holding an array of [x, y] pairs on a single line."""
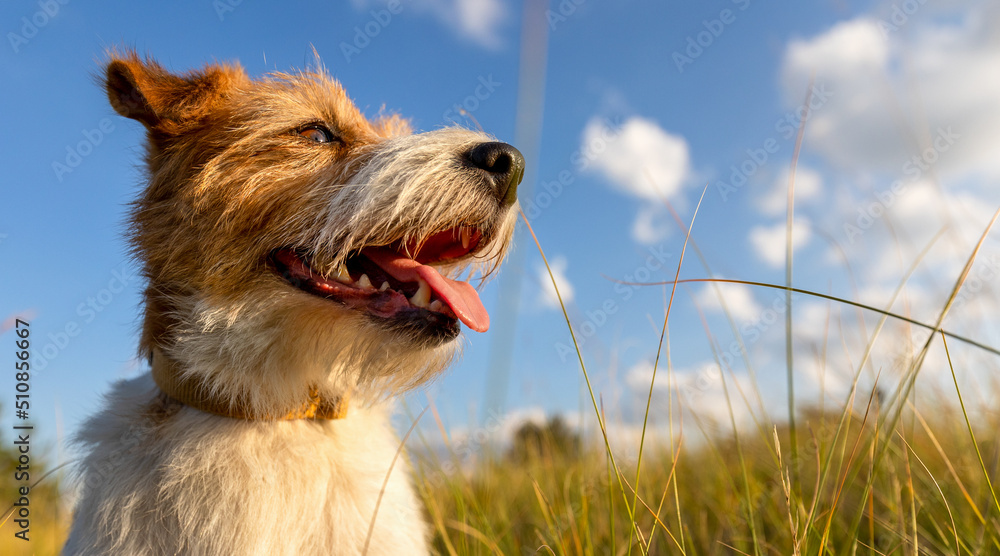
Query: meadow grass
{"points": [[881, 474], [927, 495]]}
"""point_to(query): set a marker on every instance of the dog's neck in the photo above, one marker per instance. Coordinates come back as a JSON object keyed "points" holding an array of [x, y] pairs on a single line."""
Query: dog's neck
{"points": [[192, 392]]}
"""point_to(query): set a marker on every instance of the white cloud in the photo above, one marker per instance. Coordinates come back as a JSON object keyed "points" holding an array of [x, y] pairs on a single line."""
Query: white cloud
{"points": [[770, 241], [913, 218], [650, 225], [639, 158], [739, 300], [478, 21], [643, 160], [893, 92], [699, 391], [808, 186], [547, 295], [847, 49]]}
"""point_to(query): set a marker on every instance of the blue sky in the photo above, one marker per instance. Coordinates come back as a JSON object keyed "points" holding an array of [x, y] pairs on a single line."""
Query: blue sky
{"points": [[644, 103]]}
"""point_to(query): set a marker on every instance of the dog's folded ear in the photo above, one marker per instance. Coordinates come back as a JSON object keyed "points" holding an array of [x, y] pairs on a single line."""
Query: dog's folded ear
{"points": [[143, 90]]}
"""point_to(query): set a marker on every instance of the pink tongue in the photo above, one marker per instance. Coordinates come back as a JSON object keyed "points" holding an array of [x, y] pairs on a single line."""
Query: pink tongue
{"points": [[460, 296]]}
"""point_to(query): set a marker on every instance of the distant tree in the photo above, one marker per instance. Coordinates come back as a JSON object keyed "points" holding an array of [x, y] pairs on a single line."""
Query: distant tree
{"points": [[552, 440]]}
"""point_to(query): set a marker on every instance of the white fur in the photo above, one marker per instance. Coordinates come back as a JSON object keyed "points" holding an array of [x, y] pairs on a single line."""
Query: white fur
{"points": [[213, 485]]}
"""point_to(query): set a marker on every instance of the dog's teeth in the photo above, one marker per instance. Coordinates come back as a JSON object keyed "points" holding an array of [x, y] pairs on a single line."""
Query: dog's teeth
{"points": [[423, 296], [385, 286], [466, 237], [364, 282], [435, 306], [341, 275]]}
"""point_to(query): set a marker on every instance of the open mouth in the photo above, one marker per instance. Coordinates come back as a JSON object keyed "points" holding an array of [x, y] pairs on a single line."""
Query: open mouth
{"points": [[397, 283]]}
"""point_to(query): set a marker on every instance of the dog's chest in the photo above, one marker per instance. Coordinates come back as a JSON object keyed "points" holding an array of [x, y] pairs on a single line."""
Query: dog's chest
{"points": [[201, 484]]}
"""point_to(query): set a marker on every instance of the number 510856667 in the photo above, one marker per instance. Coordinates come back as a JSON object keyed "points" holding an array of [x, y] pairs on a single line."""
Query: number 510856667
{"points": [[21, 363]]}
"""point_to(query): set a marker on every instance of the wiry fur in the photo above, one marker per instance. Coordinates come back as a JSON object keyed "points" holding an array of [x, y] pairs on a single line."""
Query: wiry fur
{"points": [[230, 181]]}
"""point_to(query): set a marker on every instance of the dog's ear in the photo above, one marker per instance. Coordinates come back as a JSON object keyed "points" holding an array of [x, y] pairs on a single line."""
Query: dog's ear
{"points": [[143, 90]]}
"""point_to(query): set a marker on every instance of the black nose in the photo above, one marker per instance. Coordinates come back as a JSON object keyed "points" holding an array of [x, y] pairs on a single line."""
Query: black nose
{"points": [[504, 167]]}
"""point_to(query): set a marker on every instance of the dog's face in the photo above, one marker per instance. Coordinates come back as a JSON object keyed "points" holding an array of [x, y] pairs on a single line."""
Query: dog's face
{"points": [[281, 229]]}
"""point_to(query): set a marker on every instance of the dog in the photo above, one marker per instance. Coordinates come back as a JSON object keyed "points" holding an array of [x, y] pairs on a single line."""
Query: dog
{"points": [[303, 266]]}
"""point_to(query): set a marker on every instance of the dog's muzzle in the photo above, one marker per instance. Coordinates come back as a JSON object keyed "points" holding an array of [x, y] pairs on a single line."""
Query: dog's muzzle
{"points": [[399, 283]]}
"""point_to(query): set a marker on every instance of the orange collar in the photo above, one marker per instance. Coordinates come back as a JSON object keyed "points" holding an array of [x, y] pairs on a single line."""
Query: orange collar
{"points": [[192, 392]]}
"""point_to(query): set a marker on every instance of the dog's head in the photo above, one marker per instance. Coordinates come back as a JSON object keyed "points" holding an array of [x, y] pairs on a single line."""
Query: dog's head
{"points": [[289, 240]]}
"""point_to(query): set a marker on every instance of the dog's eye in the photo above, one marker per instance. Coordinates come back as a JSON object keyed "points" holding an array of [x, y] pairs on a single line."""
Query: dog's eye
{"points": [[317, 133]]}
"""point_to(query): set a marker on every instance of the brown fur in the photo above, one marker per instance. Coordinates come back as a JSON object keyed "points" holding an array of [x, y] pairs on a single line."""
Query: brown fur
{"points": [[231, 180]]}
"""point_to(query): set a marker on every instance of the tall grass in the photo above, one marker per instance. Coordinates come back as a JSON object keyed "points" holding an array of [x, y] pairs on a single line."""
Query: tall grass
{"points": [[875, 475], [929, 495]]}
